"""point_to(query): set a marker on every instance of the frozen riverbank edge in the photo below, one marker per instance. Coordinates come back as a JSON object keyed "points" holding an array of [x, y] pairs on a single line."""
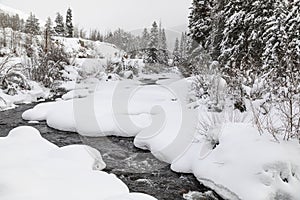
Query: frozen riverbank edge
{"points": [[161, 182]]}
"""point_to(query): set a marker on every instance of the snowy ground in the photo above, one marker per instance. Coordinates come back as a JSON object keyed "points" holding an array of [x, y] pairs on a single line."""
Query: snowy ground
{"points": [[234, 159]]}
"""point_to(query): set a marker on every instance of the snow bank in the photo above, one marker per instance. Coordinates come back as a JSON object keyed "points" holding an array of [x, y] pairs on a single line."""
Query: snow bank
{"points": [[233, 159], [124, 108], [244, 164], [33, 168], [23, 96]]}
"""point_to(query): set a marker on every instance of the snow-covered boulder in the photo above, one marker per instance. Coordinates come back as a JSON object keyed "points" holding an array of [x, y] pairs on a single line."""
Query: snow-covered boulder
{"points": [[33, 168]]}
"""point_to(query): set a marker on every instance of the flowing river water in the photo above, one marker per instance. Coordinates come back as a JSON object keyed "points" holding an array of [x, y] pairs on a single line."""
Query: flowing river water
{"points": [[137, 168]]}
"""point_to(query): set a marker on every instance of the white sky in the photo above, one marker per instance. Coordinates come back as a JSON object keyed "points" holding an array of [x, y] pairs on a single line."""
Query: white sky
{"points": [[109, 14]]}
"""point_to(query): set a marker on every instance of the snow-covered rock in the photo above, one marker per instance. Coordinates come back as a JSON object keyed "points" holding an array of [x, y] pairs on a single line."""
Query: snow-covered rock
{"points": [[33, 168]]}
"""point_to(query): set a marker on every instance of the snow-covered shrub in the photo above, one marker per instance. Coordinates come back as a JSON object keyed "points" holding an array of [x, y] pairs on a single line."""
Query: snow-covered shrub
{"points": [[199, 87], [11, 77], [47, 67], [210, 86], [210, 120], [154, 68], [281, 102], [113, 67], [90, 67]]}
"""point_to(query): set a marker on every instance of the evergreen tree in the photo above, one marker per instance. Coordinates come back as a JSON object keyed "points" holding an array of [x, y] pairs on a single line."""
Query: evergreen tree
{"points": [[16, 23], [176, 53], [76, 32], [69, 24], [49, 27], [154, 37], [145, 39], [164, 45], [153, 45], [48, 33], [60, 26], [274, 38], [160, 35], [32, 25], [183, 48], [163, 49], [200, 22]]}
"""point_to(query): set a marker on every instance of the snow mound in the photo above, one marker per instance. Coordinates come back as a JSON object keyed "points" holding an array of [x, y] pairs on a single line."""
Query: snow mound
{"points": [[30, 167], [23, 96], [245, 165]]}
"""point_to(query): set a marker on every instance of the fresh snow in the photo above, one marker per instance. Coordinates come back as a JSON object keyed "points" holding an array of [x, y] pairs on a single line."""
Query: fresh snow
{"points": [[233, 158], [23, 96], [33, 168]]}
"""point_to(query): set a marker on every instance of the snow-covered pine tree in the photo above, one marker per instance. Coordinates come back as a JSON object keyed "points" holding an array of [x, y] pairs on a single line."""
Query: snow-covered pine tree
{"points": [[285, 54], [234, 58], [76, 31], [216, 34], [160, 35], [152, 54], [154, 36], [163, 48], [48, 33], [59, 25], [184, 47], [69, 23], [32, 25], [275, 39], [200, 22], [164, 45], [16, 23], [176, 53], [145, 39]]}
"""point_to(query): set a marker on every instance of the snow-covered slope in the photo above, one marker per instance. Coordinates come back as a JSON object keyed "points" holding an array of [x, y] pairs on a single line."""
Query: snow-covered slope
{"points": [[88, 48], [12, 11]]}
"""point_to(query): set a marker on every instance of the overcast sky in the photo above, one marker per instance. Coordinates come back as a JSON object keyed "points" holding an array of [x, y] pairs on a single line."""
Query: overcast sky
{"points": [[110, 14]]}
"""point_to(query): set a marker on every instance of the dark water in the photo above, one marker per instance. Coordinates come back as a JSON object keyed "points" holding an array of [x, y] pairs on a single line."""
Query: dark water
{"points": [[137, 168]]}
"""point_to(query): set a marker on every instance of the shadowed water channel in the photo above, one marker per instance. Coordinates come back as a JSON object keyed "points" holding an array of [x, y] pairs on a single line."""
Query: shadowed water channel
{"points": [[137, 168]]}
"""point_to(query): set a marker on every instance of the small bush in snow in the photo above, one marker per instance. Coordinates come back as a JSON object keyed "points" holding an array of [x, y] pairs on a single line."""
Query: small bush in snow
{"points": [[11, 78], [47, 67]]}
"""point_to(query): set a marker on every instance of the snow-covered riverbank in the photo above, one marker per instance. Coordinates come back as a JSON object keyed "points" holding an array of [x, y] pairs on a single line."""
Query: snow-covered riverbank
{"points": [[138, 169], [235, 161]]}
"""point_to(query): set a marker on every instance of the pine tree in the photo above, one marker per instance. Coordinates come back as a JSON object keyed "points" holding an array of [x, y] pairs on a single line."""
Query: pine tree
{"points": [[48, 33], [60, 26], [200, 22], [76, 32], [69, 24], [164, 45], [153, 45], [16, 23], [183, 48], [160, 35], [145, 39], [176, 53], [274, 38], [32, 25], [49, 27], [163, 48], [154, 37]]}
